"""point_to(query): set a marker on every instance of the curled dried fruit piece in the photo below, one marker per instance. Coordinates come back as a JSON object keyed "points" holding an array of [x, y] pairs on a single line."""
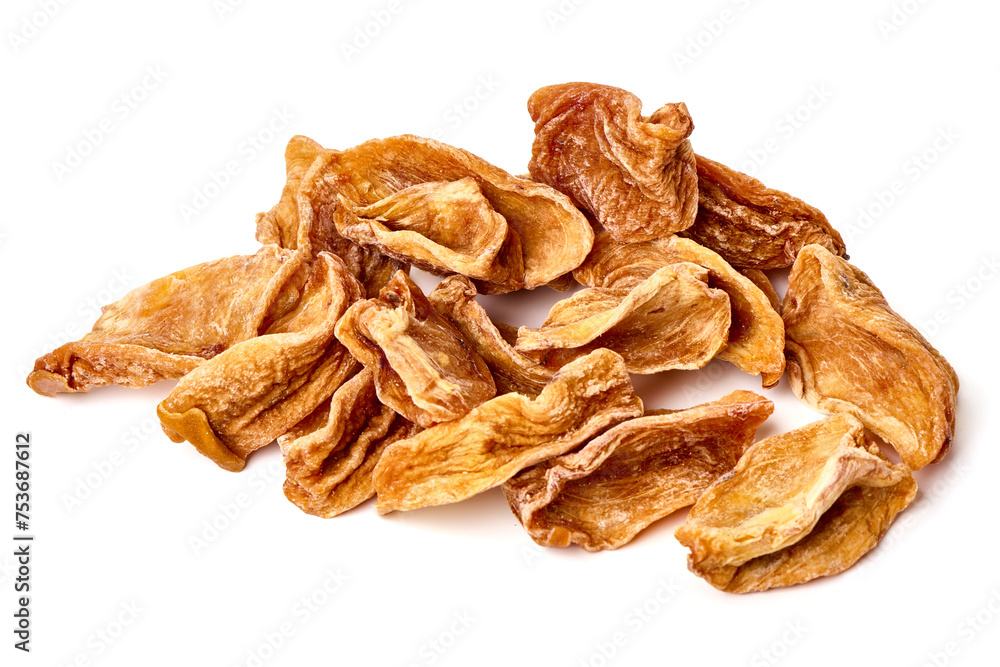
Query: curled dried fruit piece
{"points": [[850, 529], [636, 174], [753, 226], [442, 227], [242, 399], [849, 352], [329, 456], [672, 319], [455, 299], [281, 225], [555, 237], [303, 217], [424, 369], [488, 446], [166, 328], [801, 505], [635, 473], [756, 335]]}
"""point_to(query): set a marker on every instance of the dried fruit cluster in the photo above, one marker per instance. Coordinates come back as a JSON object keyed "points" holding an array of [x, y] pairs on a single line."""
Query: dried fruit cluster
{"points": [[322, 342]]}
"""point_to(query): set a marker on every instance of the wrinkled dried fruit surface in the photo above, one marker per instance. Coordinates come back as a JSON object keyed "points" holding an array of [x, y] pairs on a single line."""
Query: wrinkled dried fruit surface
{"points": [[635, 473], [329, 456], [424, 369], [555, 237], [753, 226], [762, 526], [851, 528], [444, 227], [756, 335], [281, 225], [849, 352], [255, 391], [672, 319], [166, 328], [303, 217], [455, 299], [636, 174], [322, 342], [456, 460]]}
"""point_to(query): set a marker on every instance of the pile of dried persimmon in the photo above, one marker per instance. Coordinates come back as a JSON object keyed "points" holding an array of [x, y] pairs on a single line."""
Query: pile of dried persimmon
{"points": [[322, 342]]}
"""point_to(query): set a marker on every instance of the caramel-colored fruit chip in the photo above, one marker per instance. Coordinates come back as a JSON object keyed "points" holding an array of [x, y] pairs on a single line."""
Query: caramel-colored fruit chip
{"points": [[255, 391], [442, 227], [303, 217], [330, 455], [635, 473], [787, 514], [555, 237], [849, 352], [424, 369], [281, 225], [753, 226], [846, 532], [670, 320], [455, 299], [636, 174], [491, 444], [166, 328], [756, 335]]}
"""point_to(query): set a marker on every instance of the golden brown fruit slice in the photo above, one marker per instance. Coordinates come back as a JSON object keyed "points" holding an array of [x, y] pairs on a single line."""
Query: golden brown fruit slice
{"points": [[330, 455], [424, 369], [281, 225], [636, 174], [444, 227], [849, 352], [672, 319], [455, 299], [303, 217], [635, 473], [166, 328], [753, 226], [846, 532], [756, 335], [784, 515], [456, 460], [555, 237], [255, 391]]}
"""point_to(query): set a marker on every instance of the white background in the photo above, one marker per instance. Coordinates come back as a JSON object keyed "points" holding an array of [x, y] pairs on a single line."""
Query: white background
{"points": [[463, 584]]}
